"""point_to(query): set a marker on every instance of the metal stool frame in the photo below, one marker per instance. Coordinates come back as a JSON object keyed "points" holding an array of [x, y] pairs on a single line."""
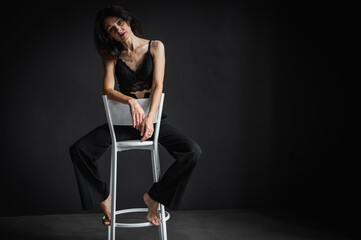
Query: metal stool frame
{"points": [[119, 114]]}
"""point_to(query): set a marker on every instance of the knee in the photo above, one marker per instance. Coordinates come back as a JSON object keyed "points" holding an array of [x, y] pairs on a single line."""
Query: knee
{"points": [[195, 152], [74, 151], [72, 148]]}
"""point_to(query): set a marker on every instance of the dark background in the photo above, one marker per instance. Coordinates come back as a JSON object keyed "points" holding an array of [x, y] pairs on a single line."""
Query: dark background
{"points": [[258, 84]]}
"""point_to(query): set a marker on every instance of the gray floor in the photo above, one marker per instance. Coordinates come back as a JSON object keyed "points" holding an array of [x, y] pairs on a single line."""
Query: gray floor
{"points": [[183, 225]]}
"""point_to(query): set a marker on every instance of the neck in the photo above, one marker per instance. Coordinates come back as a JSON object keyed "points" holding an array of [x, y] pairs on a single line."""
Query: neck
{"points": [[131, 43]]}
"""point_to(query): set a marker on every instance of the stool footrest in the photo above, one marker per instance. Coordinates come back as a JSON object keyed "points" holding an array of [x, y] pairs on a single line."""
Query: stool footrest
{"points": [[135, 225]]}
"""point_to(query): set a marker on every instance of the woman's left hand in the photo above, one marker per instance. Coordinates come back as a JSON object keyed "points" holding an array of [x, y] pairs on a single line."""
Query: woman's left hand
{"points": [[146, 129]]}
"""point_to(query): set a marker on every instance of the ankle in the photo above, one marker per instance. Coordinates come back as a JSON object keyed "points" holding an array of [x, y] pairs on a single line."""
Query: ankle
{"points": [[106, 200]]}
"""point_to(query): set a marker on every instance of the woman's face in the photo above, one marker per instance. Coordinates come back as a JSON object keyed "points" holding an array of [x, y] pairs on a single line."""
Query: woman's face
{"points": [[117, 28]]}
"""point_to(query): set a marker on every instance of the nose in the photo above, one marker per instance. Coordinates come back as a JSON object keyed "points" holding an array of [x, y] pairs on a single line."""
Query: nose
{"points": [[118, 28]]}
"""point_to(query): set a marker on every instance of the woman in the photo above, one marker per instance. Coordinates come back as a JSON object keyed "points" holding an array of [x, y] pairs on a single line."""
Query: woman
{"points": [[138, 65]]}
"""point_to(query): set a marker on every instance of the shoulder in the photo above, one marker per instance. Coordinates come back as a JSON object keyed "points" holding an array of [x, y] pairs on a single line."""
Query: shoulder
{"points": [[157, 44], [109, 63], [156, 47]]}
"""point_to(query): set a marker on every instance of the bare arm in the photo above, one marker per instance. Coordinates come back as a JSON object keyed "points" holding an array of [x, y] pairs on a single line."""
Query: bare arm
{"points": [[158, 77], [108, 84], [157, 88], [136, 110]]}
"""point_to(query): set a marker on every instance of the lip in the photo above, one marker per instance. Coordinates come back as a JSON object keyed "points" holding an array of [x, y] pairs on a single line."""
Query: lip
{"points": [[121, 35]]}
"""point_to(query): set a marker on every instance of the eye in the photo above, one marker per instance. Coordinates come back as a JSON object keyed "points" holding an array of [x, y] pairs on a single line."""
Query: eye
{"points": [[119, 22]]}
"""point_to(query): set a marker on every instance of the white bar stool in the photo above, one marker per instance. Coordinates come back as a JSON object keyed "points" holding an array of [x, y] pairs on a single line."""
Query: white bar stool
{"points": [[119, 114]]}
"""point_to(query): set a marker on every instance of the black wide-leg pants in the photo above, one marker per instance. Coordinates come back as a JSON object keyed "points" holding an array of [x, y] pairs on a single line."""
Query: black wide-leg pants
{"points": [[168, 191]]}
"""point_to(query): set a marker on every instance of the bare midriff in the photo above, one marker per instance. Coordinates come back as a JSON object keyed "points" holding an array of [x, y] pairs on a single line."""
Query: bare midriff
{"points": [[140, 94]]}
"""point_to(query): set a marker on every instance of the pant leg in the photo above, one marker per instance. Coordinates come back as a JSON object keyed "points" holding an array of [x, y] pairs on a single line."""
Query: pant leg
{"points": [[169, 190], [85, 154]]}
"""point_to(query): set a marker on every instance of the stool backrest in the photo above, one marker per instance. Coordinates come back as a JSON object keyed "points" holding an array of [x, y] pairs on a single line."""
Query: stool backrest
{"points": [[119, 114]]}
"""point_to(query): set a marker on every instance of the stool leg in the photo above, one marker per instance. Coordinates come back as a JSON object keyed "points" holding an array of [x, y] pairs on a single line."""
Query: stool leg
{"points": [[110, 188], [155, 179], [160, 227], [156, 175], [156, 155], [163, 227], [163, 224], [154, 166], [113, 191]]}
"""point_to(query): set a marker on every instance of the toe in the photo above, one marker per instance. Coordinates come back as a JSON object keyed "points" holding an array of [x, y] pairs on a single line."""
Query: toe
{"points": [[155, 222], [106, 221]]}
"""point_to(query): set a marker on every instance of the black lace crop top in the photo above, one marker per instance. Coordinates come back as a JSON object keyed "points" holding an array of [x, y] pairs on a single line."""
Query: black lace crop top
{"points": [[132, 81]]}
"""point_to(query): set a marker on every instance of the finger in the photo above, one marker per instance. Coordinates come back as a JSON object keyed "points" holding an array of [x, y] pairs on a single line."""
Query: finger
{"points": [[141, 129], [138, 121], [144, 130], [145, 135], [148, 133], [141, 119], [134, 121]]}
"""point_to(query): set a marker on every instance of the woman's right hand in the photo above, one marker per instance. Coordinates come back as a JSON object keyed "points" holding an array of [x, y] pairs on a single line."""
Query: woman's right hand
{"points": [[137, 113]]}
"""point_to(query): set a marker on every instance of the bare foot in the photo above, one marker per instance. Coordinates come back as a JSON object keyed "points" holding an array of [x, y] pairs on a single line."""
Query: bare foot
{"points": [[106, 208], [152, 210]]}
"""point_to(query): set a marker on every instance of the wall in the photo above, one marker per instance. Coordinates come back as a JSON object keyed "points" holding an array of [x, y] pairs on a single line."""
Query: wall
{"points": [[255, 83]]}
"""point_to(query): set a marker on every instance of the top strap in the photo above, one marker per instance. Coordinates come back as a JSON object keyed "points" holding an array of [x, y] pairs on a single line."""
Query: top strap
{"points": [[149, 44]]}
